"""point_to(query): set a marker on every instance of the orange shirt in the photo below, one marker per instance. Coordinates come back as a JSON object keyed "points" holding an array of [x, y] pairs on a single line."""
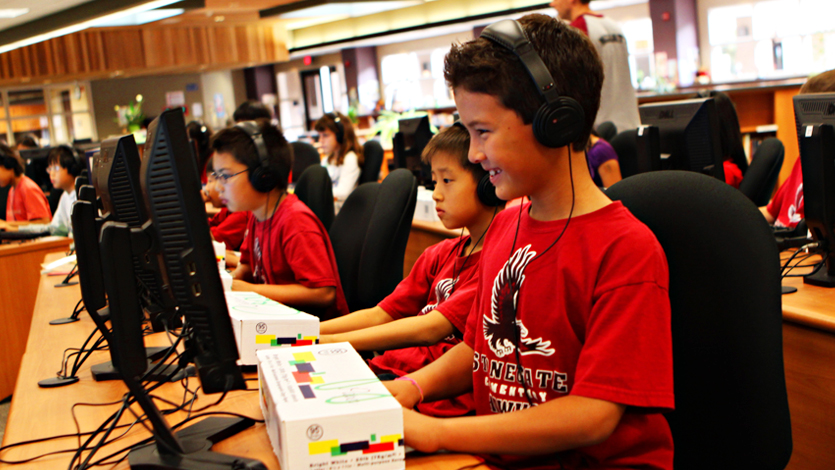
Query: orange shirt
{"points": [[26, 201]]}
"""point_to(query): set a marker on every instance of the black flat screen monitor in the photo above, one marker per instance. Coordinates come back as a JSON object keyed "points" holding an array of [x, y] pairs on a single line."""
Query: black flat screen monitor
{"points": [[815, 118], [117, 184], [638, 150], [689, 135], [179, 227], [408, 144], [36, 164]]}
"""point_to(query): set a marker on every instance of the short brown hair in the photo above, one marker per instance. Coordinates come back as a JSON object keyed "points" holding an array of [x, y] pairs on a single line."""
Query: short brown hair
{"points": [[236, 142], [482, 66], [10, 159], [349, 137], [823, 82], [453, 141]]}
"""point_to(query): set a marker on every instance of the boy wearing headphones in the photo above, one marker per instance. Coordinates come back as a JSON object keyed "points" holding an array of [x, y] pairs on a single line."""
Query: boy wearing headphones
{"points": [[426, 314], [63, 167], [286, 254], [26, 202], [568, 346]]}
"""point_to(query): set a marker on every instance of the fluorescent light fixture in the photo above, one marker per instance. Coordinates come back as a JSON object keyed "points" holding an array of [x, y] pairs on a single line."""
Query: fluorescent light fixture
{"points": [[86, 24], [600, 5], [13, 12], [349, 9], [327, 92], [142, 17]]}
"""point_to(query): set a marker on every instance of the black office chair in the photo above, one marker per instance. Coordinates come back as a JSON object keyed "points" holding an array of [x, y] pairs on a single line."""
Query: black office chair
{"points": [[369, 238], [304, 155], [381, 266], [315, 189], [373, 153], [607, 130], [347, 234], [731, 406], [761, 177]]}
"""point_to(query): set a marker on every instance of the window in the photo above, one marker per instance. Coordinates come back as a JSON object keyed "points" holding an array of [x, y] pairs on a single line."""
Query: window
{"points": [[415, 80], [56, 114], [771, 39]]}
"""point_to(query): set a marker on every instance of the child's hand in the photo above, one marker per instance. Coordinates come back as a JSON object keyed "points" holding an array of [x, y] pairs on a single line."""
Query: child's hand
{"points": [[240, 285], [421, 432], [404, 391], [325, 339]]}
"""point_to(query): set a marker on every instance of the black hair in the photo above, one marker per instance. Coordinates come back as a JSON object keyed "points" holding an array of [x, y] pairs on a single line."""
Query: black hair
{"points": [[66, 157], [200, 136], [236, 142], [251, 111], [29, 140], [10, 159]]}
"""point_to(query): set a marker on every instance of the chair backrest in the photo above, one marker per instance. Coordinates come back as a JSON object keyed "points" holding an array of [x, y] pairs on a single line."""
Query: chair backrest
{"points": [[304, 155], [4, 195], [381, 265], [315, 189], [761, 177], [348, 233], [731, 405], [607, 130], [373, 153]]}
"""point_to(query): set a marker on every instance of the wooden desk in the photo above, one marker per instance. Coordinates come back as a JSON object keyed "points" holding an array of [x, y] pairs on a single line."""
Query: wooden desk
{"points": [[19, 276], [37, 413], [809, 357], [422, 236]]}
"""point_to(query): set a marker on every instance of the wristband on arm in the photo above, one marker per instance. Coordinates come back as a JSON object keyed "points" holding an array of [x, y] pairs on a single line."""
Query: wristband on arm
{"points": [[413, 382]]}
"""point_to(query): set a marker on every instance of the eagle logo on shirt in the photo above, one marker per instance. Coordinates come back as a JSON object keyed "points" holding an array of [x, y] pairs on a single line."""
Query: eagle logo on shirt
{"points": [[443, 289], [502, 329]]}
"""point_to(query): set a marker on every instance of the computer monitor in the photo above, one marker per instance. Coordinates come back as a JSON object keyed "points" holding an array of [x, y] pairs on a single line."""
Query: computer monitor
{"points": [[36, 161], [638, 150], [179, 226], [408, 145], [815, 118], [117, 184], [689, 135]]}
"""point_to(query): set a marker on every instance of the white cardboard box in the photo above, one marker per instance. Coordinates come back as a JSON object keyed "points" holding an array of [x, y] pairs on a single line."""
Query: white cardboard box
{"points": [[261, 323], [326, 410], [425, 206]]}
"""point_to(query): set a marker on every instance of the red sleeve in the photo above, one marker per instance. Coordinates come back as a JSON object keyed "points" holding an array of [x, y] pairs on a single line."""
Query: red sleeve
{"points": [[733, 175], [412, 293], [776, 204], [457, 307], [308, 257], [580, 23], [473, 317], [35, 203], [231, 229], [618, 362]]}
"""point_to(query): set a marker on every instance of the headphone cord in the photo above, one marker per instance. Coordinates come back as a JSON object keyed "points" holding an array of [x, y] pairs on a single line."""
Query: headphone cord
{"points": [[519, 368]]}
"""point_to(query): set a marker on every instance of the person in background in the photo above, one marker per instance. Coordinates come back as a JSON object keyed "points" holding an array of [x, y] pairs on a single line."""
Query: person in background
{"points": [[28, 142], [199, 135], [251, 111], [786, 209], [603, 162], [343, 153], [226, 226], [735, 163], [286, 254], [64, 167], [26, 202], [618, 101]]}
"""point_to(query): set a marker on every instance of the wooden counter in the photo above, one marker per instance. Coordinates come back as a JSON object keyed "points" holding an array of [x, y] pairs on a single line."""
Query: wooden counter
{"points": [[19, 276], [37, 412]]}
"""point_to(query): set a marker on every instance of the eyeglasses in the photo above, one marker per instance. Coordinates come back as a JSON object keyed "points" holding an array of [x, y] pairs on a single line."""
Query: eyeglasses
{"points": [[224, 178], [53, 169]]}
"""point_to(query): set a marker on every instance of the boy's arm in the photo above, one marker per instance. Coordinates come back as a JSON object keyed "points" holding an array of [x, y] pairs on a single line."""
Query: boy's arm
{"points": [[609, 172], [565, 423], [448, 376], [290, 294], [421, 330], [243, 272], [768, 217], [354, 321]]}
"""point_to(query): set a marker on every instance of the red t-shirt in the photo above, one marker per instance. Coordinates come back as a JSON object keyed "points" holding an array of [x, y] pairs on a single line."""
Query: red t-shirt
{"points": [[296, 250], [787, 205], [733, 175], [429, 287], [229, 227], [594, 321], [26, 201]]}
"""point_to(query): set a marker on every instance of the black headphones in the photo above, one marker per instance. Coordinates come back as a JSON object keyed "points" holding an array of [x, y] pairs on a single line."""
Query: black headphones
{"points": [[485, 190], [560, 120], [261, 176], [77, 162], [340, 128]]}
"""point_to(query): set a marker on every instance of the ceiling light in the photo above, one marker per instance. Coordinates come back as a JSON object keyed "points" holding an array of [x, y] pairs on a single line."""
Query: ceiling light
{"points": [[309, 8], [142, 17], [13, 12], [85, 24]]}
